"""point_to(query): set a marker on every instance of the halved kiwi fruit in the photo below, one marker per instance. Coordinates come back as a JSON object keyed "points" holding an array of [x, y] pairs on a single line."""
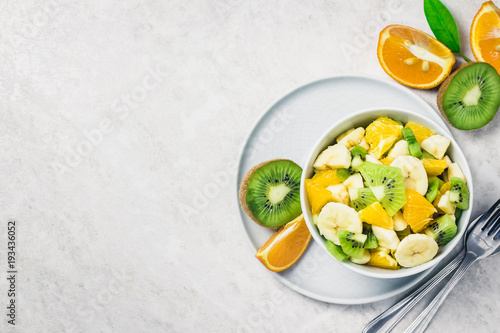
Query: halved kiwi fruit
{"points": [[269, 192], [442, 230], [470, 97], [387, 185]]}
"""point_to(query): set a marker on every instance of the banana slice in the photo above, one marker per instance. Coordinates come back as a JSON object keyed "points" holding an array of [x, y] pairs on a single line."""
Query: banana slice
{"points": [[399, 149], [398, 221], [372, 159], [386, 238], [366, 257], [354, 181], [353, 138], [414, 174], [336, 156], [454, 170], [335, 216], [436, 145], [339, 193], [416, 249]]}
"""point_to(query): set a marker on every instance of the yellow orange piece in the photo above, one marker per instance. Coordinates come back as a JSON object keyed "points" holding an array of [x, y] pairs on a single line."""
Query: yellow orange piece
{"points": [[421, 132], [434, 167], [318, 195], [383, 260], [286, 246], [417, 211], [375, 214], [386, 160], [413, 58], [381, 135], [326, 178], [442, 190], [485, 35]]}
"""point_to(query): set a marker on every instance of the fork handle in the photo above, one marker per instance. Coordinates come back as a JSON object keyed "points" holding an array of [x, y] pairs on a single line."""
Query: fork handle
{"points": [[390, 317], [423, 320]]}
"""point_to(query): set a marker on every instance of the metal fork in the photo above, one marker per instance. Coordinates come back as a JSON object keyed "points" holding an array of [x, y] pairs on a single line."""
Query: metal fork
{"points": [[388, 319], [482, 241]]}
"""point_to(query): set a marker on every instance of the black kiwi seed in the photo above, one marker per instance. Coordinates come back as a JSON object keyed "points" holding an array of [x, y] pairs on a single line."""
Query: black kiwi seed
{"points": [[470, 97]]}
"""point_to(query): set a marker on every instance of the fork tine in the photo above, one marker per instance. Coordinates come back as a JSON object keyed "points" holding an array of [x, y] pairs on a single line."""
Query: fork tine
{"points": [[491, 220], [486, 216], [494, 223]]}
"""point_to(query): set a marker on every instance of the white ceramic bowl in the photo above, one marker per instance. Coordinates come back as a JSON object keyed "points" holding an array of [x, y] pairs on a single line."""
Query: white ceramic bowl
{"points": [[363, 118]]}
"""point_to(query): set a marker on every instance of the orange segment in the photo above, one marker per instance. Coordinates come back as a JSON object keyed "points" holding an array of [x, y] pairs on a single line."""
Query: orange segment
{"points": [[381, 135], [434, 167], [485, 35], [286, 246], [413, 58], [375, 214], [318, 195], [383, 260], [326, 178], [386, 161], [421, 132], [417, 211]]}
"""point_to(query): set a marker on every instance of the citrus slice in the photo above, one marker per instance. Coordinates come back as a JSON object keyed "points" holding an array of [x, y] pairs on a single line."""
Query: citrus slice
{"points": [[485, 35], [381, 135], [417, 211], [326, 178], [421, 132], [413, 58], [318, 195], [383, 260], [433, 167], [286, 246], [375, 214]]}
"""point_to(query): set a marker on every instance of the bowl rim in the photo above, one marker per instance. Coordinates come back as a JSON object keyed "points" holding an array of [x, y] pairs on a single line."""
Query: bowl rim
{"points": [[371, 113]]}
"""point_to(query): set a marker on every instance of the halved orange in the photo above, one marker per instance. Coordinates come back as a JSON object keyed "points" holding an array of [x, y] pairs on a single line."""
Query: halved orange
{"points": [[286, 246], [417, 211], [413, 58], [485, 35]]}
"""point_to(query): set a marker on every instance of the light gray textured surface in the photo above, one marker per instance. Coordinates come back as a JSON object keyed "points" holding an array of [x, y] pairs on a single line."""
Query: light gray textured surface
{"points": [[121, 123]]}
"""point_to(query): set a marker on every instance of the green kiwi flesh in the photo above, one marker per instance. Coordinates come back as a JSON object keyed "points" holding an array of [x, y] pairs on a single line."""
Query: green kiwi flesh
{"points": [[432, 190], [387, 185], [442, 230], [336, 251], [413, 146], [361, 198], [403, 233], [269, 193], [470, 97], [371, 240], [352, 243], [459, 193]]}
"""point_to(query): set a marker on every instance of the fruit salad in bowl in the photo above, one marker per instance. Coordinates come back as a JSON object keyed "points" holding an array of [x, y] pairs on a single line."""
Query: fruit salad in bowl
{"points": [[386, 192]]}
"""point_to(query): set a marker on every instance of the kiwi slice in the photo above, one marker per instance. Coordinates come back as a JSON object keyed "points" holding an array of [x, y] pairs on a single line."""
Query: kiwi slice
{"points": [[371, 240], [361, 198], [413, 146], [269, 192], [336, 251], [458, 214], [442, 230], [358, 151], [343, 174], [387, 185], [459, 193], [432, 190], [352, 243], [469, 98], [426, 156]]}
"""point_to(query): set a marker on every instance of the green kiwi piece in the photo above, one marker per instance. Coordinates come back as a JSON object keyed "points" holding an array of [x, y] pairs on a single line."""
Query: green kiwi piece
{"points": [[387, 185], [371, 240], [336, 251], [413, 146], [358, 151], [442, 230], [356, 163], [361, 198], [352, 243], [470, 97], [459, 193], [403, 233], [269, 193], [458, 214], [432, 178], [343, 174], [426, 156], [398, 121], [432, 190]]}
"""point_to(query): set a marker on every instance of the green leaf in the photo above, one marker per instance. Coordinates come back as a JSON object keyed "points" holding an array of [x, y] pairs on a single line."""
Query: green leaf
{"points": [[442, 24]]}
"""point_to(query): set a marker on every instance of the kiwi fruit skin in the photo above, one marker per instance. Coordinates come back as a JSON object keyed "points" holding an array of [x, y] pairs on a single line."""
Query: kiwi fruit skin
{"points": [[413, 146], [444, 88], [432, 191], [244, 189], [352, 243]]}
